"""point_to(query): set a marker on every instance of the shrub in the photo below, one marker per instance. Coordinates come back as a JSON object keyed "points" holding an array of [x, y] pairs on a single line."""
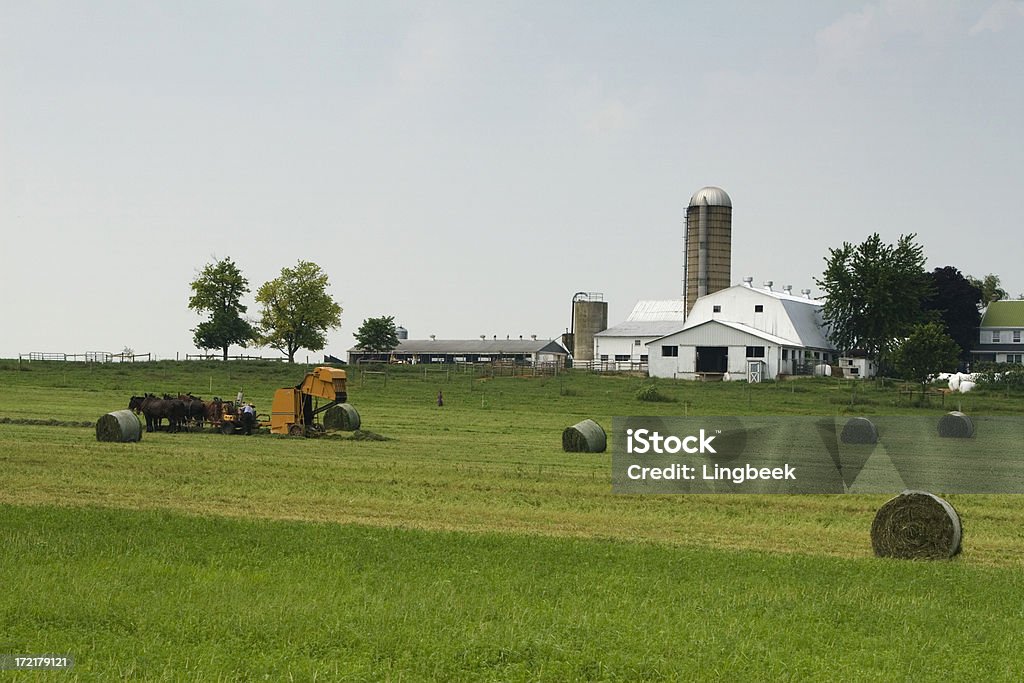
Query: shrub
{"points": [[651, 394], [1000, 374]]}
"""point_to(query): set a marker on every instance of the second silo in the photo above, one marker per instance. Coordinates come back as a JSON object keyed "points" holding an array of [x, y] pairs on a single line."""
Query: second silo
{"points": [[707, 258], [589, 316]]}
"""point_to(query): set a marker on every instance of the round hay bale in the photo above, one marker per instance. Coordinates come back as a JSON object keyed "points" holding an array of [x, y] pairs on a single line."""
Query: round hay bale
{"points": [[859, 430], [584, 437], [916, 525], [342, 417], [956, 425], [120, 426]]}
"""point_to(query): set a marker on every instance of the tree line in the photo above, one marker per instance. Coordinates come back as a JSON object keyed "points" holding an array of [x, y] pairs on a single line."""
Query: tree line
{"points": [[296, 311], [879, 299]]}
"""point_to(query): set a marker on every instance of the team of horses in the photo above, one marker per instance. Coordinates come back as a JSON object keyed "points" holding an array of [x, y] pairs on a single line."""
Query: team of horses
{"points": [[181, 412]]}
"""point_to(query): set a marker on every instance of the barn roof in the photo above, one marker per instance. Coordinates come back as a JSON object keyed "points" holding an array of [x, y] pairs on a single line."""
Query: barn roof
{"points": [[794, 318], [739, 327], [641, 329], [657, 310], [476, 346], [807, 322]]}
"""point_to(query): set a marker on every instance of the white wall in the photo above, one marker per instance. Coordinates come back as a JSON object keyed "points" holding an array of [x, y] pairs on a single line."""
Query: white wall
{"points": [[684, 365], [670, 366], [614, 346], [865, 368]]}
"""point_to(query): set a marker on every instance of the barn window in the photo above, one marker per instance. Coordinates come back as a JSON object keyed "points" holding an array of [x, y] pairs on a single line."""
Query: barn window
{"points": [[604, 356], [758, 308], [995, 336], [785, 354], [669, 351], [622, 356], [716, 309], [755, 352], [636, 342], [1016, 336], [643, 358]]}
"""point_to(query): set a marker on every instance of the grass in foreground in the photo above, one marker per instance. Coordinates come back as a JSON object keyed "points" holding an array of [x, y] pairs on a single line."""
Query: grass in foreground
{"points": [[159, 596]]}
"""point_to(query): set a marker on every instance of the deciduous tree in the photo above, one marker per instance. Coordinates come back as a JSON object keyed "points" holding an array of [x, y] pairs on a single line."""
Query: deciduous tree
{"points": [[955, 300], [991, 289], [874, 292], [218, 290], [296, 310], [377, 335], [926, 351]]}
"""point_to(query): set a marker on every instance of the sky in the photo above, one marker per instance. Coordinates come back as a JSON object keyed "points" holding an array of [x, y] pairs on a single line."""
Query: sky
{"points": [[466, 167]]}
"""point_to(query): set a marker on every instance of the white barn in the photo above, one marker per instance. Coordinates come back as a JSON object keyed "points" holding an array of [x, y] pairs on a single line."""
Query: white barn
{"points": [[744, 332], [624, 346]]}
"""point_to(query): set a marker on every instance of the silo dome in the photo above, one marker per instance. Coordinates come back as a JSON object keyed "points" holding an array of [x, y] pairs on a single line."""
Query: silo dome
{"points": [[715, 196]]}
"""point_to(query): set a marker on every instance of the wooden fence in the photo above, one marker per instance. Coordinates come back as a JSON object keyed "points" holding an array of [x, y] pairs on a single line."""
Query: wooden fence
{"points": [[220, 356], [610, 365], [87, 357]]}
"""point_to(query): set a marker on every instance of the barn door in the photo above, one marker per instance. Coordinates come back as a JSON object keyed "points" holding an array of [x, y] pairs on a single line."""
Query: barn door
{"points": [[754, 370]]}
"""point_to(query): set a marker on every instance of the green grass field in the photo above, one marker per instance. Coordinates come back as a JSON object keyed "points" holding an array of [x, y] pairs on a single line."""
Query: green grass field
{"points": [[467, 546]]}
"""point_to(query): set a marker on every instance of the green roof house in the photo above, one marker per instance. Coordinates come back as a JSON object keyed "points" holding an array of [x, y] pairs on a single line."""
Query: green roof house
{"points": [[1001, 333]]}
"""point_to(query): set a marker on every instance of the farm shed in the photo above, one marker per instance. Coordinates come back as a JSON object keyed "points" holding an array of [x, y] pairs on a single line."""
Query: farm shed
{"points": [[519, 351], [744, 329], [624, 346]]}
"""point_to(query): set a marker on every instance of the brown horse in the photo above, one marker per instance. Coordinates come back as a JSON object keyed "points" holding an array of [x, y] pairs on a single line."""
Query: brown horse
{"points": [[214, 410], [156, 409], [195, 408]]}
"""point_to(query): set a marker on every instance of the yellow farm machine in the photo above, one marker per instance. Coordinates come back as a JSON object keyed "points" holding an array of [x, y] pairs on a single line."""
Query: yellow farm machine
{"points": [[295, 410]]}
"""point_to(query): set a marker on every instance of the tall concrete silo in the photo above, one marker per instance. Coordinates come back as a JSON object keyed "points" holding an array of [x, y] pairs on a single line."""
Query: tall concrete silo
{"points": [[707, 259], [589, 316]]}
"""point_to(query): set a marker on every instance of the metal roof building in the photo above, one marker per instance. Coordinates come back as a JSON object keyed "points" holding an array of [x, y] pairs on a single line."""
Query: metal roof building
{"points": [[521, 351], [623, 346], [732, 330]]}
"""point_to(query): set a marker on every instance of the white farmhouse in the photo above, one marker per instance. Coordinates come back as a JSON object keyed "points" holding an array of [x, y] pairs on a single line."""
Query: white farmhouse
{"points": [[744, 332], [1001, 333]]}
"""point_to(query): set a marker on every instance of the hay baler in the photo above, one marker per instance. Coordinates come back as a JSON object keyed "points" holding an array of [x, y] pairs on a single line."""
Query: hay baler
{"points": [[293, 410]]}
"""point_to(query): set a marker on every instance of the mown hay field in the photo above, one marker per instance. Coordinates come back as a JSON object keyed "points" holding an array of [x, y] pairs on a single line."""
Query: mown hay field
{"points": [[467, 545]]}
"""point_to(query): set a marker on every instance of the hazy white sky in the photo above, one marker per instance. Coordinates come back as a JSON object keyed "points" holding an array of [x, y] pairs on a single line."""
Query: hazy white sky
{"points": [[468, 166]]}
